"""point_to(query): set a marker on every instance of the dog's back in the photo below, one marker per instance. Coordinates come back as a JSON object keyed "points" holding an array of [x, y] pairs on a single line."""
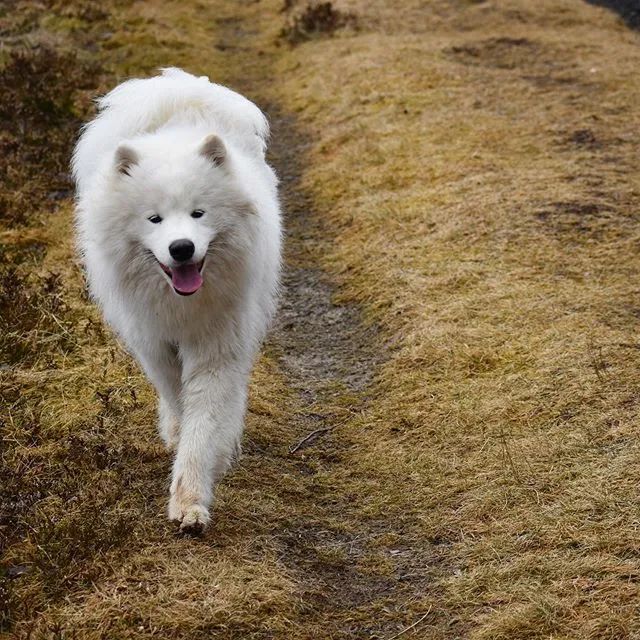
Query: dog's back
{"points": [[137, 107]]}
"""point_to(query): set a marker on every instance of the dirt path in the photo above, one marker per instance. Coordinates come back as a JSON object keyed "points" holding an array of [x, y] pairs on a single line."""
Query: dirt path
{"points": [[329, 356]]}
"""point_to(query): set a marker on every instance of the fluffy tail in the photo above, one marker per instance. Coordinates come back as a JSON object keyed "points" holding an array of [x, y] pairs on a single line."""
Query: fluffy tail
{"points": [[136, 107]]}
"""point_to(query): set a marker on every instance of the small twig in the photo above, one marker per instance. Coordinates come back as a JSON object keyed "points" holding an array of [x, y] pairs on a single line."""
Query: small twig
{"points": [[415, 624], [309, 437]]}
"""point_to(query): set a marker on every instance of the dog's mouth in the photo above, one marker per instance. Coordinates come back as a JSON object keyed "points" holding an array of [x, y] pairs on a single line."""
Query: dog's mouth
{"points": [[186, 279]]}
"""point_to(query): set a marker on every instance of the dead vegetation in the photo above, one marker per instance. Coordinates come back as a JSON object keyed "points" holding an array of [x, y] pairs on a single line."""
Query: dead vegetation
{"points": [[473, 195], [312, 20], [40, 123], [502, 266]]}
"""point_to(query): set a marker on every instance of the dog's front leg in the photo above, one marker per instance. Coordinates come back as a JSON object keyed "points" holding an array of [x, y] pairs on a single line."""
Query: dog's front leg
{"points": [[163, 368], [214, 399]]}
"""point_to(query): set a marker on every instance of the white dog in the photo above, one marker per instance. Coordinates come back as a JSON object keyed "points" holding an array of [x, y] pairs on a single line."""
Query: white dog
{"points": [[179, 226]]}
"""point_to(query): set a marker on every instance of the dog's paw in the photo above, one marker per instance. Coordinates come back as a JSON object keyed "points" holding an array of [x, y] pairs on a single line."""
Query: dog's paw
{"points": [[193, 518]]}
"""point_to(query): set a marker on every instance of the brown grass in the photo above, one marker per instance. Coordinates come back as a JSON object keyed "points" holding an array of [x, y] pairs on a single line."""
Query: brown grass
{"points": [[312, 20], [489, 223], [467, 174]]}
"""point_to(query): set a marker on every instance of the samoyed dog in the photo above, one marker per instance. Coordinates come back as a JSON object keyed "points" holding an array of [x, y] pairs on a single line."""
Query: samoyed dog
{"points": [[178, 224]]}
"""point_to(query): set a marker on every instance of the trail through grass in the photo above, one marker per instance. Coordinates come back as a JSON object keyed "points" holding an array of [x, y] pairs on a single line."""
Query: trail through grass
{"points": [[442, 434]]}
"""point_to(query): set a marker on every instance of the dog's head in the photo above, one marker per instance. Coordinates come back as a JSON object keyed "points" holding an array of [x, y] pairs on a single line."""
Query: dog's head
{"points": [[178, 202]]}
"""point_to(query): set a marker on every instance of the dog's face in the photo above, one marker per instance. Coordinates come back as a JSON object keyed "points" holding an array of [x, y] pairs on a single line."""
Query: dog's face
{"points": [[177, 207]]}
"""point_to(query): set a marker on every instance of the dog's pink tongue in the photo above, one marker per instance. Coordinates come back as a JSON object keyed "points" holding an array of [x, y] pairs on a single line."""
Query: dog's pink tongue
{"points": [[186, 278]]}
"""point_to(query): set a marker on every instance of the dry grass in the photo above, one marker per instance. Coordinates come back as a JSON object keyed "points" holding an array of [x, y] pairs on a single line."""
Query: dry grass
{"points": [[312, 20], [478, 173], [467, 172]]}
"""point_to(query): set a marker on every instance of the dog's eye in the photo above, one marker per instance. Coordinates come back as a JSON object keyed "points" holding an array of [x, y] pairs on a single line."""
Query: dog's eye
{"points": [[197, 213], [155, 219]]}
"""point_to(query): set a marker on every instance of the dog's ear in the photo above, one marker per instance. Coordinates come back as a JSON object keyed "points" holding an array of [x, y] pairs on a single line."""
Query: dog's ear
{"points": [[126, 157], [213, 149]]}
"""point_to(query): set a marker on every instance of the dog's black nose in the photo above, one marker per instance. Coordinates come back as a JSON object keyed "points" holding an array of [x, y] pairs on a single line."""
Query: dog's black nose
{"points": [[181, 250]]}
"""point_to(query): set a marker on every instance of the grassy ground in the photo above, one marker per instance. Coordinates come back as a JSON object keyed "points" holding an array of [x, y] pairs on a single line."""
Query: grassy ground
{"points": [[460, 327]]}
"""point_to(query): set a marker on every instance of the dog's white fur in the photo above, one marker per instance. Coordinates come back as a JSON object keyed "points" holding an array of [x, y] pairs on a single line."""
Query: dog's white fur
{"points": [[167, 146]]}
